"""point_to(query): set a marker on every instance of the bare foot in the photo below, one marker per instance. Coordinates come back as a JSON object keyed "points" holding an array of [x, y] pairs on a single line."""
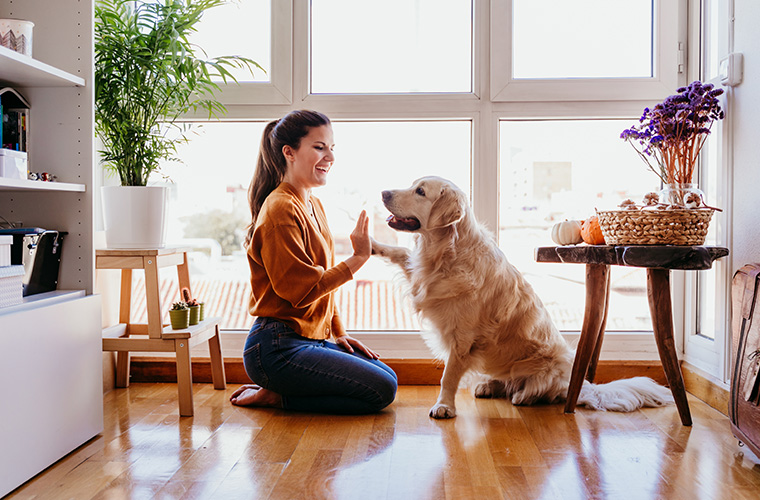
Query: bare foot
{"points": [[254, 395]]}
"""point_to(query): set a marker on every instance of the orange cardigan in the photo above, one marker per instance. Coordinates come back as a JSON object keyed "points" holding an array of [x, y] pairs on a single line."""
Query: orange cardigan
{"points": [[293, 271]]}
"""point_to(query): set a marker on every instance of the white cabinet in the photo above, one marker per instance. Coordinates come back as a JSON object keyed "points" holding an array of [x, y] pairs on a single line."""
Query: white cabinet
{"points": [[50, 347]]}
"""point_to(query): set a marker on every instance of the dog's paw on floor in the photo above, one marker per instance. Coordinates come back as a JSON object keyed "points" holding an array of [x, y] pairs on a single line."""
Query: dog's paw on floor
{"points": [[491, 389], [442, 411]]}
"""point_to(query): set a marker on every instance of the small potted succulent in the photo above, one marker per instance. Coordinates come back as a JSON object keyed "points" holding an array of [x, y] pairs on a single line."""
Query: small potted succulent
{"points": [[179, 315], [196, 308]]}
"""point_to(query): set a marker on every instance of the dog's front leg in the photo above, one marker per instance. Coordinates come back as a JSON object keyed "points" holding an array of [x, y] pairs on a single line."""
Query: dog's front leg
{"points": [[455, 367], [397, 255]]}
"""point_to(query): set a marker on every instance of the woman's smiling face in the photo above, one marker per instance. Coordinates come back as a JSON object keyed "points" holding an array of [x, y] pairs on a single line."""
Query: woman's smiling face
{"points": [[309, 164]]}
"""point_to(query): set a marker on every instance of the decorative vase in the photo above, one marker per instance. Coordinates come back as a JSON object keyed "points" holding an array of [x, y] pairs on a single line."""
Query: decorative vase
{"points": [[134, 216], [16, 34], [202, 313], [180, 318], [686, 195], [195, 312]]}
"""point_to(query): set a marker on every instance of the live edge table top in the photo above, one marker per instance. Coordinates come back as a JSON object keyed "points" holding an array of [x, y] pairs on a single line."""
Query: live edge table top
{"points": [[692, 258]]}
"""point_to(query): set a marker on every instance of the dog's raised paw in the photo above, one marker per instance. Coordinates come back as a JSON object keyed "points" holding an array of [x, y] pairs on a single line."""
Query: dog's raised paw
{"points": [[442, 411]]}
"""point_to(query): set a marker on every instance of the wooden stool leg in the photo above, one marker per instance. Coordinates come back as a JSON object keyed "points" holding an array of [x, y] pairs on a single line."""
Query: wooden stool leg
{"points": [[658, 292], [598, 349], [122, 369], [183, 275], [125, 309], [184, 377], [596, 291], [217, 362]]}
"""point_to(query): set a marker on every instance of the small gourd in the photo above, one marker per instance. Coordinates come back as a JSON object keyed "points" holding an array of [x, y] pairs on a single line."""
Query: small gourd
{"points": [[567, 232], [591, 232]]}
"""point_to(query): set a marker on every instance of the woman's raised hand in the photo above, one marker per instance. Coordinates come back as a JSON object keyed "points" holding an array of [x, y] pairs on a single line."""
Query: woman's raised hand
{"points": [[360, 237], [361, 243]]}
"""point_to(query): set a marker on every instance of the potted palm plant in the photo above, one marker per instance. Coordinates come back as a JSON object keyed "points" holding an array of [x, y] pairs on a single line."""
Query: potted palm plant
{"points": [[148, 75]]}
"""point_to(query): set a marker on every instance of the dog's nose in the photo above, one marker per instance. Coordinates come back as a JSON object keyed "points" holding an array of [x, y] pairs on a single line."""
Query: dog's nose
{"points": [[387, 196]]}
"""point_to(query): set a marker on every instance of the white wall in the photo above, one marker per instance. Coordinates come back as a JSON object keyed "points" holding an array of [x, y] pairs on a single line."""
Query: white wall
{"points": [[744, 113]]}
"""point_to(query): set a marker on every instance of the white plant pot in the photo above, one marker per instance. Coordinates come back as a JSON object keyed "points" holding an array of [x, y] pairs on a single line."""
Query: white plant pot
{"points": [[135, 216]]}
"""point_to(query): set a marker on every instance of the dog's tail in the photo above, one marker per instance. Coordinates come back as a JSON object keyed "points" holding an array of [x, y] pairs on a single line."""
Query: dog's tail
{"points": [[624, 395]]}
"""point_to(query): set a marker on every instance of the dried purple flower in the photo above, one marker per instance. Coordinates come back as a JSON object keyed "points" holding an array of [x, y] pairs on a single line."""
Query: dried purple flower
{"points": [[674, 131]]}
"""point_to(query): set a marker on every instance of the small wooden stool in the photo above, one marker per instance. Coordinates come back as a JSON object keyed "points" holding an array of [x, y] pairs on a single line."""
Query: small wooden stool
{"points": [[658, 261], [154, 336]]}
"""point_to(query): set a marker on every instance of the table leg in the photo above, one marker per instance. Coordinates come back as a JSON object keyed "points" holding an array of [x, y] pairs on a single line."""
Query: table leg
{"points": [[597, 278], [658, 292], [591, 373]]}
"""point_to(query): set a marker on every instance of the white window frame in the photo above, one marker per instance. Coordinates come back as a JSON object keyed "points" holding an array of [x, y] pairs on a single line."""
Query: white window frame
{"points": [[712, 355], [485, 106], [669, 51]]}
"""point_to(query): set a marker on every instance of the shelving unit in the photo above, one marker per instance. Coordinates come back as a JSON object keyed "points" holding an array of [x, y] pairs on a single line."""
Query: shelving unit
{"points": [[52, 341]]}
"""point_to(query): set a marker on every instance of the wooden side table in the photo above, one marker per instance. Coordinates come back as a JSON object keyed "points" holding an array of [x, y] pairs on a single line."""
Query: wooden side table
{"points": [[658, 261], [154, 336]]}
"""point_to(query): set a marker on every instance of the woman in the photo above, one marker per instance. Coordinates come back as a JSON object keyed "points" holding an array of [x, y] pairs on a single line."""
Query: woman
{"points": [[293, 280]]}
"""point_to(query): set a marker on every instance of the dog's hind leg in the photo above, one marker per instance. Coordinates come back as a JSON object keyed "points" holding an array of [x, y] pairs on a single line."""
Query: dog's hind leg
{"points": [[493, 388], [397, 255], [455, 367]]}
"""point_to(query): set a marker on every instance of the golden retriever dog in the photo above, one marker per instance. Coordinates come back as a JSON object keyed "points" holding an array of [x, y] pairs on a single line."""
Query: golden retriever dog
{"points": [[484, 315]]}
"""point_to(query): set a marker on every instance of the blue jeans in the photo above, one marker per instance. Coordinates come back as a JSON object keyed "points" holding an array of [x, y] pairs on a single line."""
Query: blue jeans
{"points": [[315, 375]]}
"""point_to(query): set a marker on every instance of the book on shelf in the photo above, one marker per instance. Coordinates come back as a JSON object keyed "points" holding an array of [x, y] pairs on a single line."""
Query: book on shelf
{"points": [[14, 110]]}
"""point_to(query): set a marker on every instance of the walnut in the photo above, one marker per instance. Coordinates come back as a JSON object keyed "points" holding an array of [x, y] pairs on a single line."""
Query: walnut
{"points": [[628, 205], [692, 200], [651, 199]]}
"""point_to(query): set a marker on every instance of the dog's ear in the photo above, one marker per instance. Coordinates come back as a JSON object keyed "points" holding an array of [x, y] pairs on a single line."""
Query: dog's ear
{"points": [[448, 209]]}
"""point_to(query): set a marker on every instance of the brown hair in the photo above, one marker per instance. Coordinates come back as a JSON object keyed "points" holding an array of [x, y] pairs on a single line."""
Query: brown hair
{"points": [[271, 164]]}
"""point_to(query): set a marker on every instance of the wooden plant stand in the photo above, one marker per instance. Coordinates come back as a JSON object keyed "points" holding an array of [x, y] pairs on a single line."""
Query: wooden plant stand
{"points": [[126, 337]]}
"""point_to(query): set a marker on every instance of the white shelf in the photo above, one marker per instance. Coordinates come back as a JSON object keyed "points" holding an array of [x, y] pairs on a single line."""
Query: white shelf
{"points": [[36, 301], [20, 70], [7, 184]]}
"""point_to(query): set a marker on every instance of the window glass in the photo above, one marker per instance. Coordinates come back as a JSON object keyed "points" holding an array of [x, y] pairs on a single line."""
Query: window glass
{"points": [[208, 211], [372, 157], [394, 46], [242, 28], [551, 171], [582, 38]]}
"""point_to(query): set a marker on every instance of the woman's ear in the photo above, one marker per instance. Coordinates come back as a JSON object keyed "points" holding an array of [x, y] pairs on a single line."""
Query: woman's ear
{"points": [[288, 153], [448, 209]]}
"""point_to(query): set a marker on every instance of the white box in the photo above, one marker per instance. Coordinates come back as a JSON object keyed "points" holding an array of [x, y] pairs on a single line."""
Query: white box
{"points": [[13, 164], [5, 250], [11, 285]]}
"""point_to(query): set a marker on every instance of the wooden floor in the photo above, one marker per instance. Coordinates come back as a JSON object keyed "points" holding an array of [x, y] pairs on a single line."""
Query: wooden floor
{"points": [[491, 450]]}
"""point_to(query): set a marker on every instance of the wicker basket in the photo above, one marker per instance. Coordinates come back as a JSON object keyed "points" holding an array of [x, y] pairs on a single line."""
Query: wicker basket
{"points": [[655, 227]]}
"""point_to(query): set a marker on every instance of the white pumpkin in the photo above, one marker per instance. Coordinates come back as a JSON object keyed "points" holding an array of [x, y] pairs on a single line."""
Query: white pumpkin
{"points": [[567, 232]]}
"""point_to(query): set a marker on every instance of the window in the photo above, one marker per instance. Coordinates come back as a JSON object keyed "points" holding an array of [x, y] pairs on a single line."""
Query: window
{"points": [[707, 336], [371, 157], [239, 28], [462, 89], [556, 170], [585, 50], [391, 46], [582, 39]]}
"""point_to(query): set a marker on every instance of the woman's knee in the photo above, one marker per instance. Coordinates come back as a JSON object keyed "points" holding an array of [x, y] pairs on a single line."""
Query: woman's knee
{"points": [[385, 388]]}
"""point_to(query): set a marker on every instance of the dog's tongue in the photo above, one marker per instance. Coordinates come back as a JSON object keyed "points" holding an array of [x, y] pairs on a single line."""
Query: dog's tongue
{"points": [[403, 224]]}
